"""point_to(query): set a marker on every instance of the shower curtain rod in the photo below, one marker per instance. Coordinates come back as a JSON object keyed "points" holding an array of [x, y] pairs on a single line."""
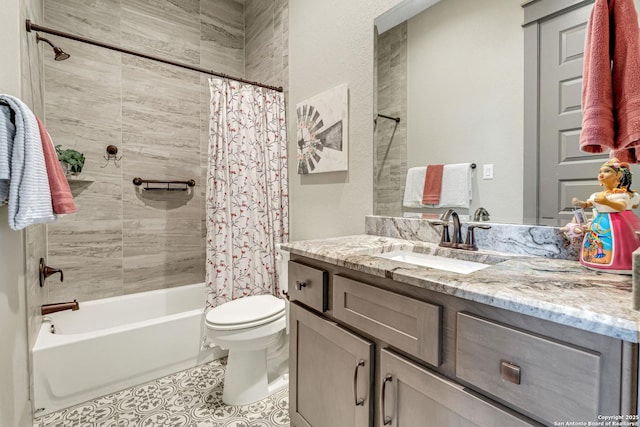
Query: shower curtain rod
{"points": [[35, 27]]}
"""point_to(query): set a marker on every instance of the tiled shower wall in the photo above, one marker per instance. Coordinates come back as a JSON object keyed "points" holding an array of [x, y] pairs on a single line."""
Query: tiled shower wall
{"points": [[123, 240], [390, 149]]}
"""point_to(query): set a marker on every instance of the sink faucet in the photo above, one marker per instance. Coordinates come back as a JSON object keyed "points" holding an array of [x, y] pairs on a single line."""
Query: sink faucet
{"points": [[481, 214], [59, 306], [456, 240]]}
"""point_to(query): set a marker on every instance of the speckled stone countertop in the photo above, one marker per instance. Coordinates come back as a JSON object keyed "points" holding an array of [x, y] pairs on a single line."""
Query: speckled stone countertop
{"points": [[559, 290]]}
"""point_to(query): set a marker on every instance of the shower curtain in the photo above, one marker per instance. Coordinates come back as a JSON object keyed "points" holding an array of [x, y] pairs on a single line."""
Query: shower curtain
{"points": [[247, 193]]}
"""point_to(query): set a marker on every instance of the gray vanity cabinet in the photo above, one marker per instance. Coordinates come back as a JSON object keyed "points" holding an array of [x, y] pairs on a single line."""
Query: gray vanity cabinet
{"points": [[330, 373], [377, 352]]}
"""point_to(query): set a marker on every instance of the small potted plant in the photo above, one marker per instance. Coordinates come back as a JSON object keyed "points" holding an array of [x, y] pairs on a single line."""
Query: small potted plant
{"points": [[72, 161]]}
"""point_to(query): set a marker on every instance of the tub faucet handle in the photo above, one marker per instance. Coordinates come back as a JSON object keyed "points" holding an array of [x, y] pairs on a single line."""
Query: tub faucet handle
{"points": [[46, 271]]}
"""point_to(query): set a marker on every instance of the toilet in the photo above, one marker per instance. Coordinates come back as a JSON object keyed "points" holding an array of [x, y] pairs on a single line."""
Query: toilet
{"points": [[252, 328]]}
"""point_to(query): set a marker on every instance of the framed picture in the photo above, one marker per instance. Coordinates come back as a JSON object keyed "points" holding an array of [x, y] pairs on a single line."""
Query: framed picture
{"points": [[322, 132]]}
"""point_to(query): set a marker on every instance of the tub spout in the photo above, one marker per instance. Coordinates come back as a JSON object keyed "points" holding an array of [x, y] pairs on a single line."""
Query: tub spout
{"points": [[59, 306]]}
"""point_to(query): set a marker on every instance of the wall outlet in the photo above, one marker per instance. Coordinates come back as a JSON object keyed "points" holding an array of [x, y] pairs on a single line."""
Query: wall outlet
{"points": [[487, 172]]}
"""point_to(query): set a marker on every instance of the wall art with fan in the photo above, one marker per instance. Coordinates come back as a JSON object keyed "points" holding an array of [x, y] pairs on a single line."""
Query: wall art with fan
{"points": [[322, 132]]}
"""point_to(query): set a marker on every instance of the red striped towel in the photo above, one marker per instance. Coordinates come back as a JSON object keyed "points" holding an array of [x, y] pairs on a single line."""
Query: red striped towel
{"points": [[432, 185]]}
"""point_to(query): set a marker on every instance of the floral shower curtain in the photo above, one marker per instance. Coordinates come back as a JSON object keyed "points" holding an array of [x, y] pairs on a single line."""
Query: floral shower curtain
{"points": [[247, 193]]}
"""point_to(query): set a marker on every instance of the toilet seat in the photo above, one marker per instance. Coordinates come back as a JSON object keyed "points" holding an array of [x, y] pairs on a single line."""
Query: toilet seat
{"points": [[245, 312]]}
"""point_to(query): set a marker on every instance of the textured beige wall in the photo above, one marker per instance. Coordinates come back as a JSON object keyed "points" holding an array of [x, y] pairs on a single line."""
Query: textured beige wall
{"points": [[332, 43]]}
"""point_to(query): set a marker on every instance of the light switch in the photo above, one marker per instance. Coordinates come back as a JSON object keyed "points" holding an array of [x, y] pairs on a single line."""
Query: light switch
{"points": [[487, 172]]}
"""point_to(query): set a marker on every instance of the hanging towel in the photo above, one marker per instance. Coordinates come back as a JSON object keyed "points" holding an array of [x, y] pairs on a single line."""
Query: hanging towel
{"points": [[598, 129], [456, 186], [61, 197], [414, 187], [432, 185], [611, 81], [626, 78], [27, 186]]}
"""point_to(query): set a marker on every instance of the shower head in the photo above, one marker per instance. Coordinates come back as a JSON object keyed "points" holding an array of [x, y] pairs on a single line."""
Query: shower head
{"points": [[60, 55]]}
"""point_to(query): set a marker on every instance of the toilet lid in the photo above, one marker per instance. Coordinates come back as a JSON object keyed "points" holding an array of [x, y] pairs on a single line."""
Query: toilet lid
{"points": [[246, 312]]}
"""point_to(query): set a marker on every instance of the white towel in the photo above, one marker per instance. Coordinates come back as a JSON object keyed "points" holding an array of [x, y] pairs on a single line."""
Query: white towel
{"points": [[29, 196], [456, 187], [414, 187]]}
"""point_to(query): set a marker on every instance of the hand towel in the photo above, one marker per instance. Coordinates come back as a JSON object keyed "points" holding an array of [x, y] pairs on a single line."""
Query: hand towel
{"points": [[611, 81], [626, 77], [28, 185], [456, 186], [61, 197], [432, 185], [414, 187], [598, 132]]}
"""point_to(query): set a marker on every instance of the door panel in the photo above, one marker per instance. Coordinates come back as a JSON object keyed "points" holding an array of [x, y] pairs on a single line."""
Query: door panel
{"points": [[564, 171]]}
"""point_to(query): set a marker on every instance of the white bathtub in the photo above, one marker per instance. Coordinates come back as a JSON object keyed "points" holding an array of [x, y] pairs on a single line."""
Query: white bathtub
{"points": [[115, 343]]}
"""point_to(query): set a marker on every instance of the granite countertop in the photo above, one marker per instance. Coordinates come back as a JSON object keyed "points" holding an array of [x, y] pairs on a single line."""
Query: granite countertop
{"points": [[562, 291]]}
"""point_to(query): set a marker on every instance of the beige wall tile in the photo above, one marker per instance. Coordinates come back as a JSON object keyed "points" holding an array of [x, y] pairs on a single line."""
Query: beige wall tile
{"points": [[124, 239]]}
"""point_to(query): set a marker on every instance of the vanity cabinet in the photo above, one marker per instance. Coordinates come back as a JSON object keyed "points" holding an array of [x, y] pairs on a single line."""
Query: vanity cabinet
{"points": [[331, 373], [383, 353]]}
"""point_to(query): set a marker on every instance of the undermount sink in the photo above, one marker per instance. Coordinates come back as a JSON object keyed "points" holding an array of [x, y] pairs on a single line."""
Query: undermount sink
{"points": [[433, 261]]}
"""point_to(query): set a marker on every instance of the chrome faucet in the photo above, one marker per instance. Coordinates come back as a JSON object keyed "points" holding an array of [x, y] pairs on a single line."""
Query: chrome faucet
{"points": [[59, 306]]}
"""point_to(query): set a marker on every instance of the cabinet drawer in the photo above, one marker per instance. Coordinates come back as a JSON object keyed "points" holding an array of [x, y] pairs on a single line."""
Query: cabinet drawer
{"points": [[309, 285], [411, 395], [550, 380], [405, 323]]}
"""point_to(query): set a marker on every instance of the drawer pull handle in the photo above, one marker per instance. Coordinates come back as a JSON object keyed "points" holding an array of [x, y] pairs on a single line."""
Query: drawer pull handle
{"points": [[385, 419], [300, 285], [510, 372], [359, 401]]}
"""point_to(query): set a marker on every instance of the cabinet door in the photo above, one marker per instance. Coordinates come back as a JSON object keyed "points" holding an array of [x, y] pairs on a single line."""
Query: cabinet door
{"points": [[414, 396], [331, 373]]}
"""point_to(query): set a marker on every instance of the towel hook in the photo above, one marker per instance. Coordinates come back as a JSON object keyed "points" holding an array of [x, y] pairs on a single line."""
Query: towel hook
{"points": [[112, 152]]}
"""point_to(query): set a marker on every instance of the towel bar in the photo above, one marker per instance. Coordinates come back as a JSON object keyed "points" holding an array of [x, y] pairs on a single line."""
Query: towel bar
{"points": [[187, 183]]}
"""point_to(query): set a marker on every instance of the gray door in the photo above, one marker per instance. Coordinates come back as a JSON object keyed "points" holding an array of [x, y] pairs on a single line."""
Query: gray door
{"points": [[564, 171]]}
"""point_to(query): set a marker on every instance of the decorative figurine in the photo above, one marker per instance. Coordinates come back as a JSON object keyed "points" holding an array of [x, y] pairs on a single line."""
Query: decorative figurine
{"points": [[611, 237]]}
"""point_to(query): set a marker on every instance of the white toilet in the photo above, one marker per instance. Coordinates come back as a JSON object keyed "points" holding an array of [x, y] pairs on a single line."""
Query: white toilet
{"points": [[249, 327]]}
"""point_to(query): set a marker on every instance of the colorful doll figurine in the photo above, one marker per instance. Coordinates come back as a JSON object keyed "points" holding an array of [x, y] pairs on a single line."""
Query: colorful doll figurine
{"points": [[611, 239]]}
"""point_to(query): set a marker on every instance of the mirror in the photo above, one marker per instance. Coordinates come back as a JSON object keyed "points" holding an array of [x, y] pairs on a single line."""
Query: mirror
{"points": [[454, 75]]}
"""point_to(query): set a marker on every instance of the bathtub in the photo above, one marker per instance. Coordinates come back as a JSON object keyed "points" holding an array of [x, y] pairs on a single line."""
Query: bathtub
{"points": [[115, 343]]}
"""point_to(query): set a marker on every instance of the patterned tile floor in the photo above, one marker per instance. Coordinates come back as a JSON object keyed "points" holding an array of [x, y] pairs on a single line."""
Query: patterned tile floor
{"points": [[191, 398]]}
